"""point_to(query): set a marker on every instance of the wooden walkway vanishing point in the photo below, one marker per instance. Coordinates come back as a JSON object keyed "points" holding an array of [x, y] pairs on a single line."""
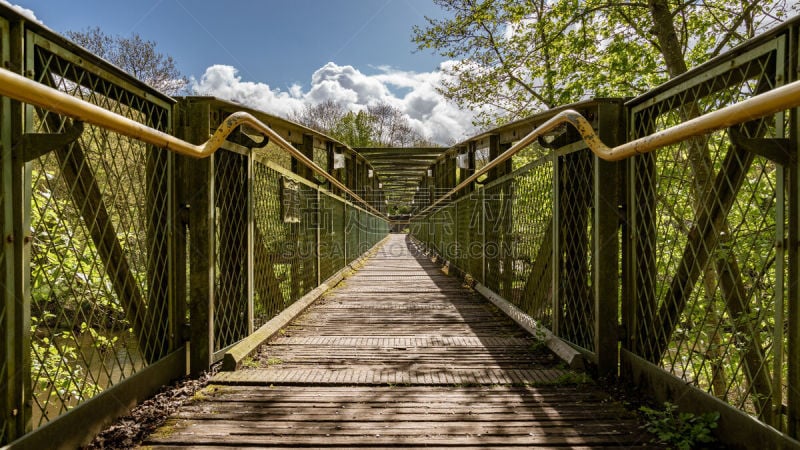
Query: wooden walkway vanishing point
{"points": [[401, 355]]}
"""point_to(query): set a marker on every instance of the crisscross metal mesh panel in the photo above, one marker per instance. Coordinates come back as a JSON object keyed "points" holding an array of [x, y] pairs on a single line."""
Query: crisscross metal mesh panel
{"points": [[532, 226], [575, 202], [230, 297], [443, 230], [461, 248], [708, 215], [272, 243], [100, 300], [475, 237], [352, 229], [286, 215], [499, 246], [332, 236], [503, 231], [304, 271]]}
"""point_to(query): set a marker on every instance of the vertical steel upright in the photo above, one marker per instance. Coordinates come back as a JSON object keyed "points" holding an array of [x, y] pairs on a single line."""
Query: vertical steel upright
{"points": [[605, 251], [20, 117], [250, 262], [199, 193], [793, 298], [9, 378]]}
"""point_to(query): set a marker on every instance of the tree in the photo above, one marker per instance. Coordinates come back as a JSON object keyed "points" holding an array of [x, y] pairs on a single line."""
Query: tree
{"points": [[355, 129], [135, 56], [323, 116], [522, 56], [392, 128], [381, 125]]}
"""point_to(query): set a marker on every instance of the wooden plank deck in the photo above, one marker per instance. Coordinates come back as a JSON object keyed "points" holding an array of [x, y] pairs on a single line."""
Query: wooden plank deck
{"points": [[401, 355]]}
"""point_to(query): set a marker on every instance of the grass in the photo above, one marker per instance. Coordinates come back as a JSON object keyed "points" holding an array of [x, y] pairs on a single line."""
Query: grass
{"points": [[273, 361], [206, 393], [250, 363]]}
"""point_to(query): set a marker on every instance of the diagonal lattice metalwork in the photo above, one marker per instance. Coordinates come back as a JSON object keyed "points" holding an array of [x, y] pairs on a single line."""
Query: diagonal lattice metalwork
{"points": [[331, 243], [231, 303], [533, 202], [575, 203], [271, 240], [708, 216], [100, 302], [501, 235]]}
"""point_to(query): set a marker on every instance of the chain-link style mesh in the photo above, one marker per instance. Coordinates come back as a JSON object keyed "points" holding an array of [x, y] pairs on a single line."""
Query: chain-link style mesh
{"points": [[502, 231], [462, 213], [331, 247], [230, 297], [100, 301], [499, 246], [575, 202], [304, 276], [351, 232], [272, 245], [286, 218], [533, 226], [709, 274]]}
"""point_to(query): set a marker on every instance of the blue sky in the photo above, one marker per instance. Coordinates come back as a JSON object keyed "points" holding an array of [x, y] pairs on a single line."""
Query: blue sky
{"points": [[281, 55]]}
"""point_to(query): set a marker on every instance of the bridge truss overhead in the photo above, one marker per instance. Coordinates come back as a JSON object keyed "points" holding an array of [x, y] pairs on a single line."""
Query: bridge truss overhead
{"points": [[400, 170]]}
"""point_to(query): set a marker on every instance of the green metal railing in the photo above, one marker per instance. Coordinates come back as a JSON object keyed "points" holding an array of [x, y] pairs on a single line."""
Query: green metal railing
{"points": [[122, 258], [710, 268], [676, 270], [537, 206]]}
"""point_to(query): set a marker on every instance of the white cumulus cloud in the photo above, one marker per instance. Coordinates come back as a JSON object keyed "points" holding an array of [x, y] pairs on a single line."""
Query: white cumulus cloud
{"points": [[413, 93], [25, 12], [224, 82]]}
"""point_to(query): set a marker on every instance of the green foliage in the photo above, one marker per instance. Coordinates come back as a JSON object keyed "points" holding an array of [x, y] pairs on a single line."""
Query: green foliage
{"points": [[59, 374], [66, 274], [355, 129], [684, 430], [511, 58], [250, 363], [71, 300], [380, 125]]}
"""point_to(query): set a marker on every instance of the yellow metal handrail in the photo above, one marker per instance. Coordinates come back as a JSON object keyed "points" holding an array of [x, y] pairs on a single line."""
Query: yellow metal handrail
{"points": [[25, 90], [771, 102]]}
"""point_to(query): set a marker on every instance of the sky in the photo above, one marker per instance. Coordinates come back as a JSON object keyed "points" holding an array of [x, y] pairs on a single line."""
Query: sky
{"points": [[278, 56]]}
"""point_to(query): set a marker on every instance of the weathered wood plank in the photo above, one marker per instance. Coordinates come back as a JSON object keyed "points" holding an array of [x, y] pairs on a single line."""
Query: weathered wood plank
{"points": [[401, 355]]}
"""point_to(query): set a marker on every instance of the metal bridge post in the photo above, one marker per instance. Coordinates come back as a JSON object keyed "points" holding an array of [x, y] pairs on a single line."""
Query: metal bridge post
{"points": [[318, 242], [9, 343], [483, 235], [250, 271], [556, 248], [16, 379], [607, 194], [200, 199], [793, 298]]}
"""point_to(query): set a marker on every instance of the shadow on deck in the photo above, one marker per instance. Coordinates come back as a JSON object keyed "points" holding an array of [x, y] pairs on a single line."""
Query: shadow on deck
{"points": [[400, 354]]}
